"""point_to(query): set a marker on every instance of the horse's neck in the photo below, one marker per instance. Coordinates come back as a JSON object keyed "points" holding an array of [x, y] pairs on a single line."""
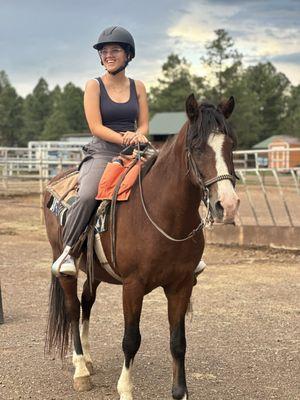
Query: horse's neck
{"points": [[170, 175]]}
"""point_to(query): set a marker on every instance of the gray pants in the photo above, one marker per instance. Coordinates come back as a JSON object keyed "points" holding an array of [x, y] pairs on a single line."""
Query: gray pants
{"points": [[82, 209]]}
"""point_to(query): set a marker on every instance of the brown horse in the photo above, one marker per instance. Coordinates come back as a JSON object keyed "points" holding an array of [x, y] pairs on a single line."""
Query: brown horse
{"points": [[195, 165]]}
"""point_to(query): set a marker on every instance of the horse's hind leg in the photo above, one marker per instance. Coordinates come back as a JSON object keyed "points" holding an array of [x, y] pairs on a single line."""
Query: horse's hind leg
{"points": [[178, 299], [81, 376], [133, 294], [87, 300]]}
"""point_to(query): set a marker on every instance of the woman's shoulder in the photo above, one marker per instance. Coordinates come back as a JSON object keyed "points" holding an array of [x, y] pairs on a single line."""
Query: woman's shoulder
{"points": [[138, 83], [92, 85], [140, 87]]}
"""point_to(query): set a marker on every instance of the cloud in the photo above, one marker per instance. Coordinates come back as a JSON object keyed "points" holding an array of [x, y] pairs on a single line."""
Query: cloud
{"points": [[199, 23], [292, 58], [54, 39], [261, 31]]}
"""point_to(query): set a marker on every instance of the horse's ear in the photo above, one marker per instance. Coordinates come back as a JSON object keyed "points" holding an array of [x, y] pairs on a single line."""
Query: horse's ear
{"points": [[192, 108], [227, 107]]}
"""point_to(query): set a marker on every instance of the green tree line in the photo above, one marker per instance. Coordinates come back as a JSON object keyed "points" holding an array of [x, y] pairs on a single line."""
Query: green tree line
{"points": [[266, 101], [42, 115]]}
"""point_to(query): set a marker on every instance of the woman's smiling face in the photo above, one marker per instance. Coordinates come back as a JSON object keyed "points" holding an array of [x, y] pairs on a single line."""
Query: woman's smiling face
{"points": [[112, 56]]}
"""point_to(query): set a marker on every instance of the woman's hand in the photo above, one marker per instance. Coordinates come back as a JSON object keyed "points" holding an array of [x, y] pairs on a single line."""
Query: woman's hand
{"points": [[130, 138], [139, 138], [127, 137]]}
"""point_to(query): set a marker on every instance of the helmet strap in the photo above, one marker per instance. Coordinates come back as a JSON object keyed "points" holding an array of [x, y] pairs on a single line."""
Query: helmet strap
{"points": [[119, 69]]}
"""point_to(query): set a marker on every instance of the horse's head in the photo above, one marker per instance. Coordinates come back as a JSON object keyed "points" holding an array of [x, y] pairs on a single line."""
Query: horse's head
{"points": [[210, 143]]}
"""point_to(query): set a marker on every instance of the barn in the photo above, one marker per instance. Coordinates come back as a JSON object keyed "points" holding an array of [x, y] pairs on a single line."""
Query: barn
{"points": [[280, 156]]}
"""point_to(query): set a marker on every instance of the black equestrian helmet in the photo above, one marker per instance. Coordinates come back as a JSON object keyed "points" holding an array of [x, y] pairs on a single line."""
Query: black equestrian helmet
{"points": [[116, 34]]}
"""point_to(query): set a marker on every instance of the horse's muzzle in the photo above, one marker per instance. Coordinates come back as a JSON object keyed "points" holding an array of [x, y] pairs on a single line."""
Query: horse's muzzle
{"points": [[224, 210]]}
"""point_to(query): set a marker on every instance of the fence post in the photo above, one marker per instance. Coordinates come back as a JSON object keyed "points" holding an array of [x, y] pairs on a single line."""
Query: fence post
{"points": [[282, 196], [1, 308], [295, 180], [241, 173], [41, 186], [265, 196]]}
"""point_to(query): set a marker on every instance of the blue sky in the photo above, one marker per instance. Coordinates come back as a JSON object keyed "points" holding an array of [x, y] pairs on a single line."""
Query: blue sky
{"points": [[54, 39]]}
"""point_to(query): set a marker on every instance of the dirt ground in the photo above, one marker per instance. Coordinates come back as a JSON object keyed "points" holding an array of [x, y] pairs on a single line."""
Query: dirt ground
{"points": [[243, 340]]}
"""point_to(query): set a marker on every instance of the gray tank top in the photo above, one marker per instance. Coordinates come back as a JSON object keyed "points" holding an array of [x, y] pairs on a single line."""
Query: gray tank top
{"points": [[120, 117]]}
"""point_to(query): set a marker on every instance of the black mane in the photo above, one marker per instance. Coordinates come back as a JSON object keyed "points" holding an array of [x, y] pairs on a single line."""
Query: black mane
{"points": [[210, 120]]}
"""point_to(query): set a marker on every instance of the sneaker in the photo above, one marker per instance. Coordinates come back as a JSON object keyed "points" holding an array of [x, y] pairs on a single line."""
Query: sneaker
{"points": [[64, 264], [68, 266]]}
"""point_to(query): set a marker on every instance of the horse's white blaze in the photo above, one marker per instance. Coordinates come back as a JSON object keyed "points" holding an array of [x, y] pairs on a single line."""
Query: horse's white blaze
{"points": [[226, 193], [125, 385], [81, 370], [84, 336]]}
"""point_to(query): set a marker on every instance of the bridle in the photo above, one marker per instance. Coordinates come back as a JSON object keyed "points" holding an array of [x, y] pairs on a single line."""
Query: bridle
{"points": [[204, 185]]}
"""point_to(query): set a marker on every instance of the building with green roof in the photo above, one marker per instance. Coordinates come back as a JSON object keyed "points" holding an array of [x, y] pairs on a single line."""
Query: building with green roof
{"points": [[164, 124]]}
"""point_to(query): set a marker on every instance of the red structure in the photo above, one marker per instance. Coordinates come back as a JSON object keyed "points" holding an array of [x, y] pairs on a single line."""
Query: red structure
{"points": [[281, 157]]}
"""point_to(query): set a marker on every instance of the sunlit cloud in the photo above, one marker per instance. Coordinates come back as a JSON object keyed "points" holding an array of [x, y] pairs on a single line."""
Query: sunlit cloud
{"points": [[257, 42]]}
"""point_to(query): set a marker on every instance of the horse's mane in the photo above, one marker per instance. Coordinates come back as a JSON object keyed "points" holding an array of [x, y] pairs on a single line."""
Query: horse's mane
{"points": [[210, 120]]}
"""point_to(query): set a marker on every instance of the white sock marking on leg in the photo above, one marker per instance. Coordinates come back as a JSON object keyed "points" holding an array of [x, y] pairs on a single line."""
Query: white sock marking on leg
{"points": [[125, 385], [80, 367], [84, 335]]}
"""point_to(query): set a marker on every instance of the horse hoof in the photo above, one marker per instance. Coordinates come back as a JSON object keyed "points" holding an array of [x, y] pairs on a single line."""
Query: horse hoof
{"points": [[90, 367], [82, 384], [126, 396]]}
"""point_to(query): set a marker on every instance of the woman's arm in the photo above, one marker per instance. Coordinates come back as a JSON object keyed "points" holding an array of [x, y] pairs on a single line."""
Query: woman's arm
{"points": [[142, 120], [143, 117], [93, 115]]}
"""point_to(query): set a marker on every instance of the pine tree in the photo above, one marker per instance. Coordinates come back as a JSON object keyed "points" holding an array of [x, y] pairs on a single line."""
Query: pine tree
{"points": [[37, 108], [11, 119]]}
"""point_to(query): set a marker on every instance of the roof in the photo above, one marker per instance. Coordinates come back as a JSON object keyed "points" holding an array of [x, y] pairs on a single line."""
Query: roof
{"points": [[167, 123], [265, 143]]}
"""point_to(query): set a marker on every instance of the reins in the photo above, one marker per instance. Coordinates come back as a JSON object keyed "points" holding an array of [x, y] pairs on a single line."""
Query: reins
{"points": [[208, 220], [189, 236]]}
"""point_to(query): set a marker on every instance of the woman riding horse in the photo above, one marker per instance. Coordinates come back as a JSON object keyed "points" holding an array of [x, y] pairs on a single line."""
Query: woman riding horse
{"points": [[163, 213], [117, 114]]}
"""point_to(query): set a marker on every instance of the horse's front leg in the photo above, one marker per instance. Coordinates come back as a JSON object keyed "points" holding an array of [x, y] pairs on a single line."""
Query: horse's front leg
{"points": [[178, 299], [81, 376], [133, 294]]}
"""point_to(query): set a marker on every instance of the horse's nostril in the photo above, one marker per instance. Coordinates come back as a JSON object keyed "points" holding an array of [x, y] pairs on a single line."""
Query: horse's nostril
{"points": [[219, 206], [219, 209]]}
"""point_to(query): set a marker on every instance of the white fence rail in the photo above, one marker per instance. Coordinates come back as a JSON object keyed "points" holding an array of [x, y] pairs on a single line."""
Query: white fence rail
{"points": [[269, 196]]}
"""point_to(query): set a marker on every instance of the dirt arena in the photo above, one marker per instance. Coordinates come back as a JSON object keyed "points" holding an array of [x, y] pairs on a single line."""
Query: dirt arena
{"points": [[243, 340]]}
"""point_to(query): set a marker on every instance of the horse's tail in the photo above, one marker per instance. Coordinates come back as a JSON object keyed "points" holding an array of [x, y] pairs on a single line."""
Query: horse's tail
{"points": [[58, 326]]}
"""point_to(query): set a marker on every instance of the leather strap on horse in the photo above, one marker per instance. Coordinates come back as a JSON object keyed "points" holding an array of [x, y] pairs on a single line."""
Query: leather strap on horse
{"points": [[189, 236], [113, 214], [90, 251]]}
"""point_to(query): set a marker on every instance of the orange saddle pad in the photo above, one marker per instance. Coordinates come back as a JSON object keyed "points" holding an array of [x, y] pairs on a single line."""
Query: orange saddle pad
{"points": [[110, 178]]}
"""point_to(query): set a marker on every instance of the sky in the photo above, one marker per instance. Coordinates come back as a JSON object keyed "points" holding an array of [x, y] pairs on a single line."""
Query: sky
{"points": [[53, 39]]}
